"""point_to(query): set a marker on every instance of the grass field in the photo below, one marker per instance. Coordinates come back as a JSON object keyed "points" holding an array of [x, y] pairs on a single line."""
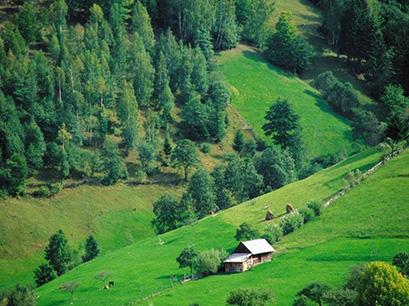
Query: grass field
{"points": [[308, 19], [256, 85], [117, 216], [146, 267]]}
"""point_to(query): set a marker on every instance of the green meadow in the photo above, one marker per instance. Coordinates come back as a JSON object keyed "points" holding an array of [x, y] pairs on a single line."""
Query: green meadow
{"points": [[256, 85], [322, 250], [118, 216]]}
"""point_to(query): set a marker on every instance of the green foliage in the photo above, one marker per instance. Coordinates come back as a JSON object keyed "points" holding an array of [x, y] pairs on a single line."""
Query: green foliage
{"points": [[250, 297], [13, 175], [170, 214], [128, 114], [287, 48], [201, 192], [308, 214], [397, 117], [209, 262], [44, 274], [367, 128], [315, 292], [291, 222], [187, 258], [401, 262], [113, 166], [141, 24], [141, 70], [205, 147], [242, 179], [21, 296], [315, 206], [281, 123], [246, 232], [185, 156], [275, 167], [195, 119], [379, 282], [345, 297], [91, 249], [147, 156], [226, 32], [238, 141], [223, 198], [255, 18], [273, 233], [58, 253]]}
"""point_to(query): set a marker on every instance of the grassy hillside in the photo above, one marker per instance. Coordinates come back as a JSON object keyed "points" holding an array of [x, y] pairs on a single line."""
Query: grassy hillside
{"points": [[308, 19], [117, 216], [256, 85], [369, 223], [147, 267]]}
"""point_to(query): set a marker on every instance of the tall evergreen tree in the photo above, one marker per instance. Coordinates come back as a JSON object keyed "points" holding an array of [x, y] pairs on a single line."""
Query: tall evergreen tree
{"points": [[141, 24], [128, 114], [35, 146], [141, 70], [91, 249], [201, 192], [58, 252]]}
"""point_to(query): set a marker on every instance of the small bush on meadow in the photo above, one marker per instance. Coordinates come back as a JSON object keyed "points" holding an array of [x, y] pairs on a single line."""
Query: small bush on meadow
{"points": [[316, 207], [291, 222], [273, 233], [308, 214]]}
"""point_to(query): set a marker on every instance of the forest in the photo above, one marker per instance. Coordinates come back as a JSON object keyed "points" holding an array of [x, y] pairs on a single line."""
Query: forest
{"points": [[87, 86]]}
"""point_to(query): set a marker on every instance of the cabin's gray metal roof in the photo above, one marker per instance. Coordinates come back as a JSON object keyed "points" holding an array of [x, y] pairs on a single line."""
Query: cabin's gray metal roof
{"points": [[258, 246], [238, 257]]}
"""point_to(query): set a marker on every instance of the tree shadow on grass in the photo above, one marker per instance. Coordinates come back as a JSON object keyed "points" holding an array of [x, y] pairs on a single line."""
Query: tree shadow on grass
{"points": [[259, 58]]}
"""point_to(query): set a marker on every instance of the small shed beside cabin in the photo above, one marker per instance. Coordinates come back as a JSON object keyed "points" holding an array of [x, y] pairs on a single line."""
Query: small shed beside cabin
{"points": [[248, 254]]}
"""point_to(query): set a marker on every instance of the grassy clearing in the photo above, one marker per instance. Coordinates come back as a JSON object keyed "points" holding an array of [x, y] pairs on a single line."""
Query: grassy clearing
{"points": [[146, 267], [117, 216], [308, 19], [256, 85]]}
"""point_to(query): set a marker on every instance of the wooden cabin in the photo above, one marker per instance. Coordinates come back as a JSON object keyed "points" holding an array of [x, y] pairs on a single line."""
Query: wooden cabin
{"points": [[248, 254]]}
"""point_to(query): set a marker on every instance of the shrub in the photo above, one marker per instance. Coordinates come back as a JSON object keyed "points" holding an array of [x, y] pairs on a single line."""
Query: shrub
{"points": [[20, 295], [247, 297], [44, 274], [205, 148], [308, 214], [401, 261], [324, 81], [209, 262], [48, 191], [246, 232], [315, 206], [314, 292], [379, 283], [273, 233], [291, 222]]}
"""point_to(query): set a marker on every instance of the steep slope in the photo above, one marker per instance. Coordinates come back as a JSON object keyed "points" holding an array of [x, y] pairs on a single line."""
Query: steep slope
{"points": [[147, 267], [369, 223], [256, 85]]}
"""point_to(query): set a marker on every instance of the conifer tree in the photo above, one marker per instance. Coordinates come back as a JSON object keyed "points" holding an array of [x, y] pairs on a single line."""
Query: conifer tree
{"points": [[58, 252], [91, 249], [201, 192], [141, 24], [128, 114], [141, 70]]}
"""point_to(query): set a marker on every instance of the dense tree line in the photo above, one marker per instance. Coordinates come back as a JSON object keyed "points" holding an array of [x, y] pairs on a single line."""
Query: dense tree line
{"points": [[373, 35], [83, 83]]}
